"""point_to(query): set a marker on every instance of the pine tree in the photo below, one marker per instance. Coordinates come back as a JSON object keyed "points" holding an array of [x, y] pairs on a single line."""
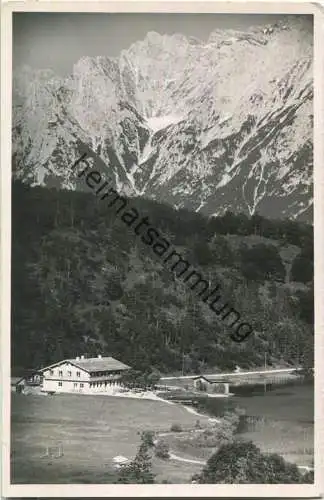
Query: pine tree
{"points": [[139, 471]]}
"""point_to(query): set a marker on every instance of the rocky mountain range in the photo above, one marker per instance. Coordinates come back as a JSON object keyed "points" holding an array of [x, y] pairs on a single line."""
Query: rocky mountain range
{"points": [[211, 126]]}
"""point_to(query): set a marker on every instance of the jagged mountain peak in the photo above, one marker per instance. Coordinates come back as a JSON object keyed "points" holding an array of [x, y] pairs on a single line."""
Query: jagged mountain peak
{"points": [[211, 126]]}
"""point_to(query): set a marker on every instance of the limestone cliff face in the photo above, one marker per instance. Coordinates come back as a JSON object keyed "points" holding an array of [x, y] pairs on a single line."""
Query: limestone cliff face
{"points": [[216, 126]]}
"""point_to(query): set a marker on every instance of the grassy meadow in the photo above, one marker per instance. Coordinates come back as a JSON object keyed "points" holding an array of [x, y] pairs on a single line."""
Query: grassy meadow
{"points": [[92, 430]]}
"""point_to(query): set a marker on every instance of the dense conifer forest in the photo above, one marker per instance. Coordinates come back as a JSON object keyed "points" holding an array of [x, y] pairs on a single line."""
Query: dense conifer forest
{"points": [[83, 283]]}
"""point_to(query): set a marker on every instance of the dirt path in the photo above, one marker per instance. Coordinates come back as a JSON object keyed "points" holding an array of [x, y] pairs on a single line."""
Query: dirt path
{"points": [[173, 456], [194, 412], [173, 433]]}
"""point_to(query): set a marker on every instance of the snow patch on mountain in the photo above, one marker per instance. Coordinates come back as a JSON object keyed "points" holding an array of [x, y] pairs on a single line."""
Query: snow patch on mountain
{"points": [[148, 150], [157, 123], [216, 126], [224, 180]]}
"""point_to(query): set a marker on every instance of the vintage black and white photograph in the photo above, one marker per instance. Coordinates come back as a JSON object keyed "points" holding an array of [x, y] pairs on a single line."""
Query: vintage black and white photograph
{"points": [[162, 269]]}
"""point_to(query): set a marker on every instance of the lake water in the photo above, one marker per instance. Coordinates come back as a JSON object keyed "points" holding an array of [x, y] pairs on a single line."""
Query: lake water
{"points": [[280, 420]]}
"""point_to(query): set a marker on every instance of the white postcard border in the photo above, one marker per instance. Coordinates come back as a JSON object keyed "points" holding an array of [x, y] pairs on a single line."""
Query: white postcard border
{"points": [[161, 490]]}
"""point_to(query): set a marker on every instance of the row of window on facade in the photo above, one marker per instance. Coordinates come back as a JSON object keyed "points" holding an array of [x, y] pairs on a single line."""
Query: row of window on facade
{"points": [[60, 373], [78, 374], [104, 384], [75, 385], [92, 384]]}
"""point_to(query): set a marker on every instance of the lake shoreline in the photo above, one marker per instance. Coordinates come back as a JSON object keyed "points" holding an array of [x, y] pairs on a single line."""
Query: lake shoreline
{"points": [[279, 420]]}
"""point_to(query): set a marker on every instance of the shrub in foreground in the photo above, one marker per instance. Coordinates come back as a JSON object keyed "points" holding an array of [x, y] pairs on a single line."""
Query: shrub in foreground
{"points": [[148, 438], [139, 471], [243, 463], [162, 450], [176, 428]]}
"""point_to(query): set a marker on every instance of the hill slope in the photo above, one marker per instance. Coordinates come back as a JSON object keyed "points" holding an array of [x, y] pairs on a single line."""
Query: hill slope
{"points": [[82, 282]]}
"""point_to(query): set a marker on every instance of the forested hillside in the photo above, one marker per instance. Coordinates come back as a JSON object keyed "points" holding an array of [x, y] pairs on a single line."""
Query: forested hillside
{"points": [[83, 283]]}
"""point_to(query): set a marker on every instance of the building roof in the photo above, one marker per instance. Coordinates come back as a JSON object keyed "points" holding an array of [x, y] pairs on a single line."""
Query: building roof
{"points": [[211, 380], [214, 378], [93, 364], [16, 380], [201, 376], [99, 364], [30, 371]]}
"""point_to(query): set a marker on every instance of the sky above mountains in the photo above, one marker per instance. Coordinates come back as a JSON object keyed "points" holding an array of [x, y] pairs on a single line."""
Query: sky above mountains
{"points": [[58, 40]]}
